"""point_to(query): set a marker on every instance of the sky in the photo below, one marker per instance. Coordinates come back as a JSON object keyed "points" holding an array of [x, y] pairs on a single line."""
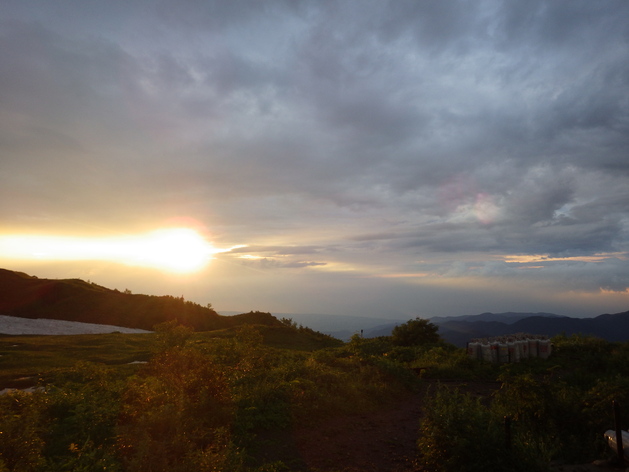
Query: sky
{"points": [[388, 159]]}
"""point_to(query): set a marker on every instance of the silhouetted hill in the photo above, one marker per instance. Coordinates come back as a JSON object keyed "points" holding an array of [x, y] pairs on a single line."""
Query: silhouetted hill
{"points": [[460, 332], [76, 300], [459, 329], [507, 318], [609, 327], [340, 326]]}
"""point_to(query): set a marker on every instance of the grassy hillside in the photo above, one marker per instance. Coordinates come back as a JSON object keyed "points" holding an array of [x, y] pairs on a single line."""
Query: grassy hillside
{"points": [[228, 400], [26, 361], [212, 393], [77, 300]]}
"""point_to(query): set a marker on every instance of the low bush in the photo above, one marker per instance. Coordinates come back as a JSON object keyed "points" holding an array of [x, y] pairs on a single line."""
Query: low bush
{"points": [[21, 431], [459, 433], [176, 415], [204, 401]]}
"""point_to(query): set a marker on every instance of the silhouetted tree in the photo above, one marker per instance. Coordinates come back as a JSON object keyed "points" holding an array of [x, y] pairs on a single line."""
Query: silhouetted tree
{"points": [[413, 332]]}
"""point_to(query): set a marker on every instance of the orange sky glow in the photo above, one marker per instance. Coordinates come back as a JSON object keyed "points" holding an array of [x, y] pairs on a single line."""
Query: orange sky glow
{"points": [[177, 250]]}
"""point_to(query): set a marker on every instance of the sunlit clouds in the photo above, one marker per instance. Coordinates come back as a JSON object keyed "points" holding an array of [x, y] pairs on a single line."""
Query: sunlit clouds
{"points": [[382, 158], [178, 250]]}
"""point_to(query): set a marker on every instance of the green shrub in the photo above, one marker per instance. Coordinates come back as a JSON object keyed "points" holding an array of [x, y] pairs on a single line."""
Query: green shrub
{"points": [[171, 334], [459, 433], [21, 430], [176, 415], [553, 416], [396, 371], [598, 401], [404, 354], [366, 347], [415, 332], [447, 362], [82, 408]]}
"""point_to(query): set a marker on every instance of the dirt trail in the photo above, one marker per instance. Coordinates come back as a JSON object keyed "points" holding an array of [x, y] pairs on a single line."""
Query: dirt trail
{"points": [[381, 441], [384, 440]]}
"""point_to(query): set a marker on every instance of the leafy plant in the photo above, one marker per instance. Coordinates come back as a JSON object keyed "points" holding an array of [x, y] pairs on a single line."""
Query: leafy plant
{"points": [[459, 433], [21, 428], [414, 332], [82, 409], [176, 415]]}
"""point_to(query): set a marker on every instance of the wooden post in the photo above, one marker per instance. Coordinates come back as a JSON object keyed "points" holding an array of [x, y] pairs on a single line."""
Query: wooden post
{"points": [[619, 446], [507, 433]]}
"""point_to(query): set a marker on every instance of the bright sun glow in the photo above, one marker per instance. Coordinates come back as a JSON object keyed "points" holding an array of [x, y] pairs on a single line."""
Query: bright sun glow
{"points": [[180, 250]]}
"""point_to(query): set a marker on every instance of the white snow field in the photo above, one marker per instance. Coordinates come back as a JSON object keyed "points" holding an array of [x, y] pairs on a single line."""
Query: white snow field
{"points": [[16, 325]]}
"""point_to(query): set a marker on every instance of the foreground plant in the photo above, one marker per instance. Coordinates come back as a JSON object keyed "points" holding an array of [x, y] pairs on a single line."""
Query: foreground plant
{"points": [[459, 433], [176, 415]]}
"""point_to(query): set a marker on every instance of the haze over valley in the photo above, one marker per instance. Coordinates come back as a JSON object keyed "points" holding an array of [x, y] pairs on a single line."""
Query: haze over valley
{"points": [[30, 305]]}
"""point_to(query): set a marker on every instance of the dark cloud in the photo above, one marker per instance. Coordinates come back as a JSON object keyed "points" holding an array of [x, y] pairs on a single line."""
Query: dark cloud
{"points": [[271, 263], [277, 250], [609, 274], [373, 136]]}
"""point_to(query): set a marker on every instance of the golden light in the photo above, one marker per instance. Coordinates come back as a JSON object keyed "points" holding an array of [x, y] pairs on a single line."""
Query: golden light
{"points": [[538, 258], [179, 250]]}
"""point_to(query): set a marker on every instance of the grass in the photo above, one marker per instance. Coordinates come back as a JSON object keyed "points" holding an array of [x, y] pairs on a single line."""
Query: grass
{"points": [[209, 398], [35, 357], [201, 398], [30, 358]]}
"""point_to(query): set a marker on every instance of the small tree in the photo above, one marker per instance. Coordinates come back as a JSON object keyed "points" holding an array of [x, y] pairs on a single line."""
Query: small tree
{"points": [[414, 332], [171, 334]]}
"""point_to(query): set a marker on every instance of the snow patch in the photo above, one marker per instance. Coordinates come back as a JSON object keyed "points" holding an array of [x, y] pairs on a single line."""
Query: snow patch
{"points": [[4, 391], [14, 325]]}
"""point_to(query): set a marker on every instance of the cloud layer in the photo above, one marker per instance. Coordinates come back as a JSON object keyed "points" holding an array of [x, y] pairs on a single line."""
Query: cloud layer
{"points": [[379, 147]]}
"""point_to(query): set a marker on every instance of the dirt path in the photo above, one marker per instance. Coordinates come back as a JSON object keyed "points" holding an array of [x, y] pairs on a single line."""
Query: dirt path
{"points": [[384, 440], [381, 441]]}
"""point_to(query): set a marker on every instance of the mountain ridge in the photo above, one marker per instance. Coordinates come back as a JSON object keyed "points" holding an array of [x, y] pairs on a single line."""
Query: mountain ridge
{"points": [[27, 296], [611, 327], [509, 317]]}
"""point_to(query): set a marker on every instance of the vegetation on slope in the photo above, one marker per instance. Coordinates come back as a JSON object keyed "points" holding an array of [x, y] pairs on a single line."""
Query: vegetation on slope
{"points": [[200, 402], [558, 410], [77, 300], [212, 400]]}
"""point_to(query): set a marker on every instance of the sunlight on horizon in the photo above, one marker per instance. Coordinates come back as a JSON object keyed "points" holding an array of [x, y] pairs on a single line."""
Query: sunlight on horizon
{"points": [[534, 258], [178, 250]]}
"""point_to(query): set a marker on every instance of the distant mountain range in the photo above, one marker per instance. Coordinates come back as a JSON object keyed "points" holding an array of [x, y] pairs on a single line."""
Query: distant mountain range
{"points": [[459, 331], [507, 318], [27, 296]]}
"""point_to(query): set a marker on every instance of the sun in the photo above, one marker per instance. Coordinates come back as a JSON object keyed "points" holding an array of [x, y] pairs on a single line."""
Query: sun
{"points": [[178, 250], [175, 250]]}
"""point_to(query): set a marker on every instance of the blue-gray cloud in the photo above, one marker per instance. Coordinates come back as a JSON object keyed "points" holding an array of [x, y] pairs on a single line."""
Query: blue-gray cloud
{"points": [[369, 135]]}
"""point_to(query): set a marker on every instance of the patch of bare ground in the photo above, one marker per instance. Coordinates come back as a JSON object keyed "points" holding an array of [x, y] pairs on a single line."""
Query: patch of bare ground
{"points": [[383, 440], [596, 466]]}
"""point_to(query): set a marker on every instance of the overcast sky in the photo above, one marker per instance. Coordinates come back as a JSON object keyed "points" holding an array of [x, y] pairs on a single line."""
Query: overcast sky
{"points": [[387, 159]]}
